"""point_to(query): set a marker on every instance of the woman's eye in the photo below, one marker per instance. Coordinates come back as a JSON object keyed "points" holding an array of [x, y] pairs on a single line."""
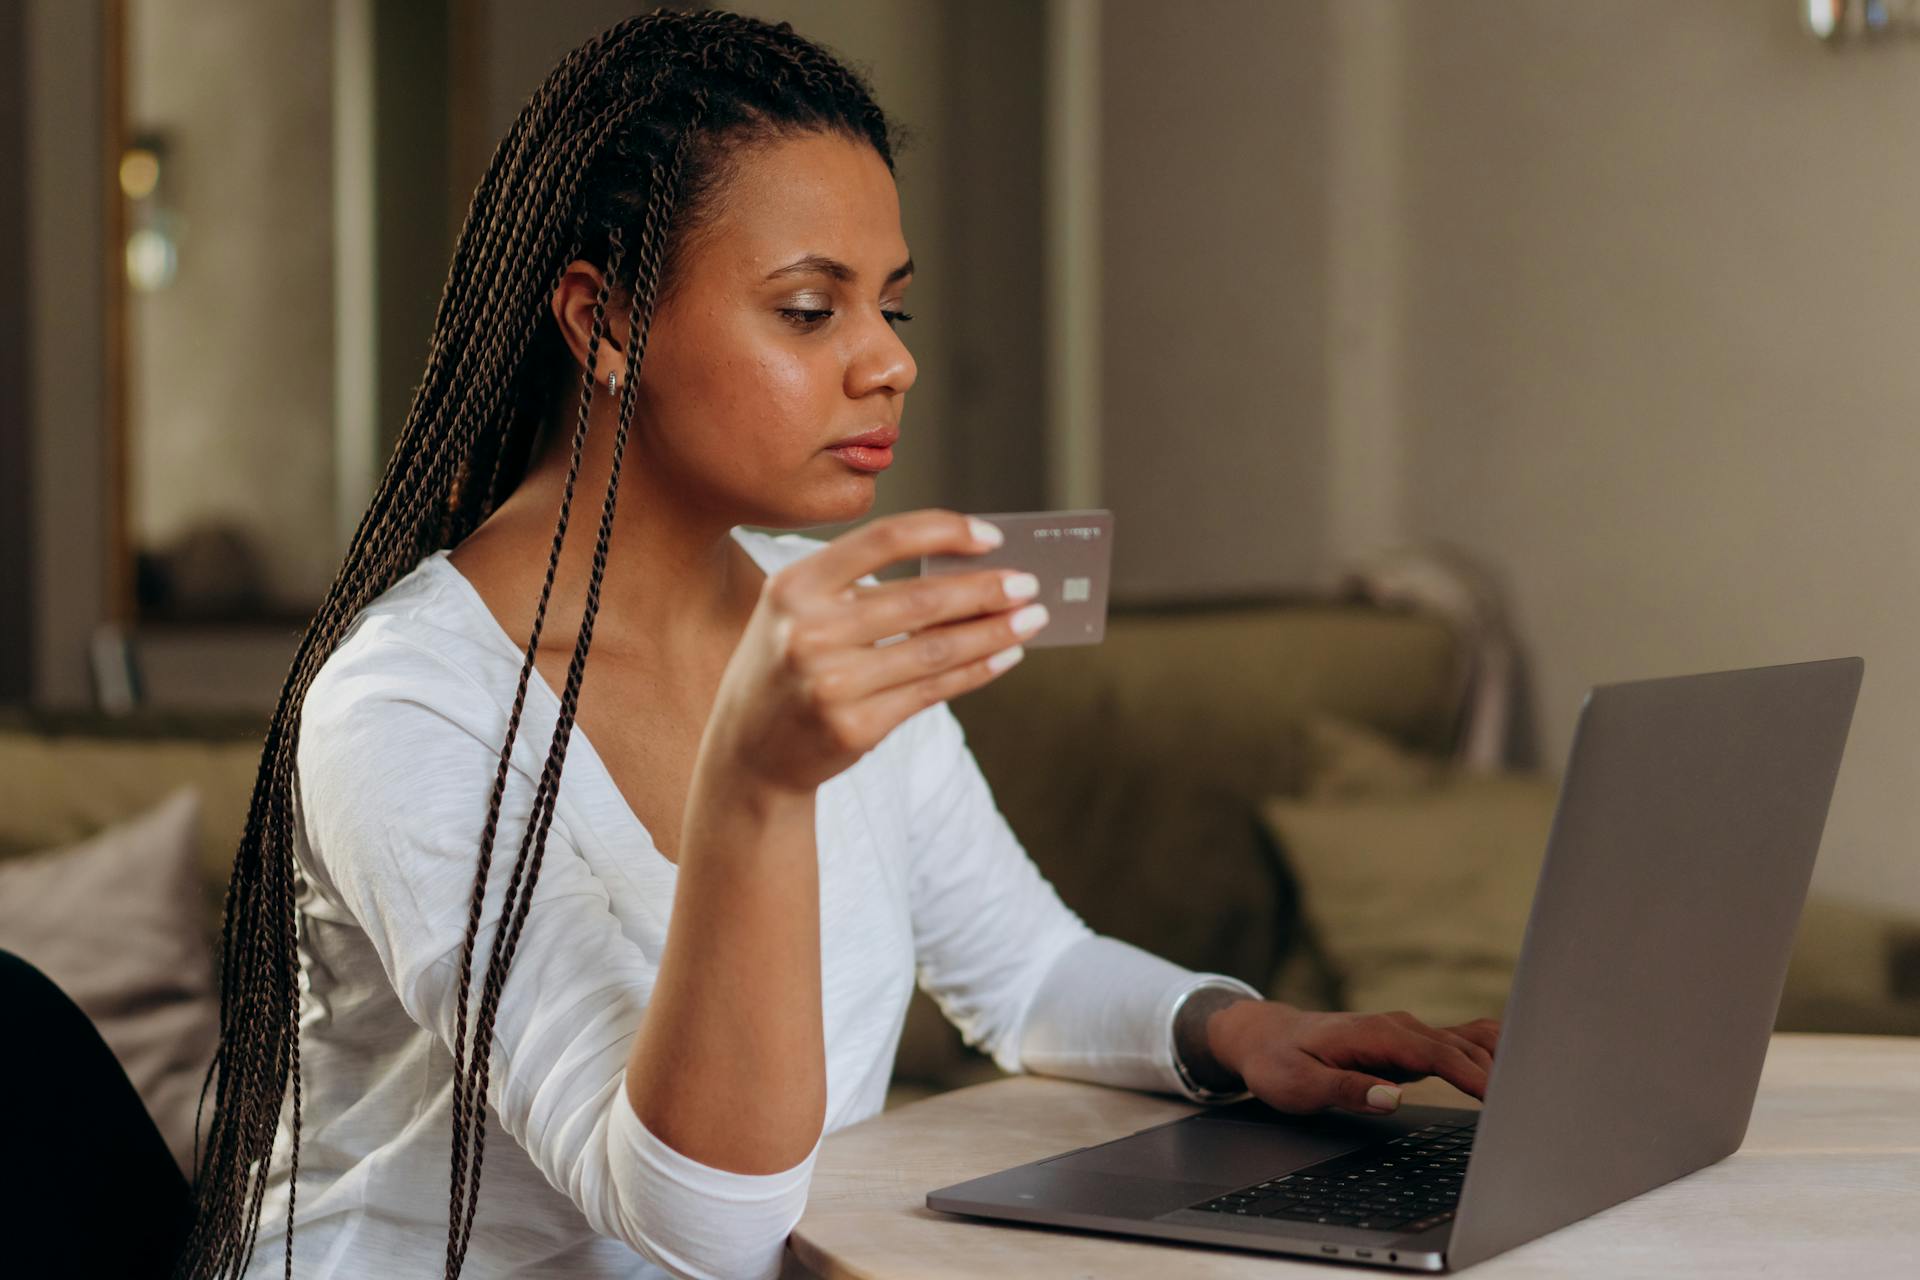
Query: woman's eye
{"points": [[807, 317]]}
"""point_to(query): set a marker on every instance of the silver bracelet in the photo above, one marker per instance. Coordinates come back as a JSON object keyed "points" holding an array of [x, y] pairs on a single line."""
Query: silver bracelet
{"points": [[1218, 993]]}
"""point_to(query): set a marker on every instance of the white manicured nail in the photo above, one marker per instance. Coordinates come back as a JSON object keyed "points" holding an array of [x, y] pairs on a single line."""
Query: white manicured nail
{"points": [[1006, 658], [1019, 586], [1030, 619], [986, 531], [1381, 1098]]}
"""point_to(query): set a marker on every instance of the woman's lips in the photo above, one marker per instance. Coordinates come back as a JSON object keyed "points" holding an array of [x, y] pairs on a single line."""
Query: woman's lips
{"points": [[863, 458]]}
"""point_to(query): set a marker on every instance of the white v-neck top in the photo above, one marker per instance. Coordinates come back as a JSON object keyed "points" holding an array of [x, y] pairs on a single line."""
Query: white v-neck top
{"points": [[397, 753]]}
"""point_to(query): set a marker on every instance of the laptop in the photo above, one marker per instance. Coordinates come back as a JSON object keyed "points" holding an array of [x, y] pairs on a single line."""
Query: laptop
{"points": [[1647, 985]]}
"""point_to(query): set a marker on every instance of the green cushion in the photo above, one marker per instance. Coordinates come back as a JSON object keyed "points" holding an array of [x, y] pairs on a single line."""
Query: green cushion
{"points": [[1416, 886], [1843, 976], [1345, 759], [1420, 898]]}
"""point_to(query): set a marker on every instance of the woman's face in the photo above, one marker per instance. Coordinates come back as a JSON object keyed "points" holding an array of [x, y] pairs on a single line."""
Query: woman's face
{"points": [[780, 340]]}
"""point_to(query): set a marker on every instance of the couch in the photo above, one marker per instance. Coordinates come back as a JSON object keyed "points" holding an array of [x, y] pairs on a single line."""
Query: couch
{"points": [[1258, 789]]}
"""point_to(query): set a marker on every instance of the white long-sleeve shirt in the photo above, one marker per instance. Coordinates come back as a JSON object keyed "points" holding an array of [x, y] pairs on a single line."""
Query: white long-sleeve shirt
{"points": [[397, 752]]}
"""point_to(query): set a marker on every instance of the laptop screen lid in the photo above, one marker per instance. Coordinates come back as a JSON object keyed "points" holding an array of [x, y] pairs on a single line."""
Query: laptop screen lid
{"points": [[1657, 947]]}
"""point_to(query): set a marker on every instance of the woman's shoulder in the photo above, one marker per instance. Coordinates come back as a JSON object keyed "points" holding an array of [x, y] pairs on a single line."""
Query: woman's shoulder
{"points": [[419, 642]]}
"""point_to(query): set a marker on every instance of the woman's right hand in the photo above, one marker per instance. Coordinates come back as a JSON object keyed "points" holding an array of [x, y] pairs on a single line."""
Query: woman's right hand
{"points": [[807, 693], [1302, 1062]]}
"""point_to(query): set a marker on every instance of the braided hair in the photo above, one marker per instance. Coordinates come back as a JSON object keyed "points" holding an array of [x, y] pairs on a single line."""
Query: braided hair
{"points": [[617, 159]]}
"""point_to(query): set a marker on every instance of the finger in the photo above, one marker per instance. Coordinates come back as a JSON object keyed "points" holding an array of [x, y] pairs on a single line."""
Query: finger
{"points": [[1448, 1036], [1377, 1040], [875, 716], [852, 674], [1484, 1032], [887, 540], [1476, 1053], [1453, 1066], [1316, 1087], [909, 605]]}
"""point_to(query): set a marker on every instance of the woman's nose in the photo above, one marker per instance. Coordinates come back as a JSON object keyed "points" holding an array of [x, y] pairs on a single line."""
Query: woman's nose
{"points": [[884, 364]]}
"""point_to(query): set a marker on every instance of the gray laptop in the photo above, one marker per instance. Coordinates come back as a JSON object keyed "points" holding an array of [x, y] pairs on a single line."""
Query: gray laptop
{"points": [[1634, 1034]]}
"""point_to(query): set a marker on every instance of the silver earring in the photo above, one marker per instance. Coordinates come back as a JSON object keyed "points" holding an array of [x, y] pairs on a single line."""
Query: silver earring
{"points": [[613, 383]]}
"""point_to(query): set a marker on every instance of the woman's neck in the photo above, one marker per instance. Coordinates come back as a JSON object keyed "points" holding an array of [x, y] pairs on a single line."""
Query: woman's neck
{"points": [[675, 580]]}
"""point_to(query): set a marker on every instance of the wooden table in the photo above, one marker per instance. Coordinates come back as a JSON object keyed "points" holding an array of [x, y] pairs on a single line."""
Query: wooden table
{"points": [[1828, 1184]]}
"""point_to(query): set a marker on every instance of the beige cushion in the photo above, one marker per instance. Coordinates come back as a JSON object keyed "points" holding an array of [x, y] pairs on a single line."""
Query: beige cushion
{"points": [[58, 788], [115, 921], [1419, 898]]}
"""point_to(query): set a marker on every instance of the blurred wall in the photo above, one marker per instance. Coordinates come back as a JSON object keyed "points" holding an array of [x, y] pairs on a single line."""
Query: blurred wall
{"points": [[1213, 312], [65, 293], [992, 268], [1659, 307], [16, 441], [230, 365]]}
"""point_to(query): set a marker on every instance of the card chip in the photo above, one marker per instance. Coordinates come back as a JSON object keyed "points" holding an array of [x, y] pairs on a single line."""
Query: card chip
{"points": [[1076, 589]]}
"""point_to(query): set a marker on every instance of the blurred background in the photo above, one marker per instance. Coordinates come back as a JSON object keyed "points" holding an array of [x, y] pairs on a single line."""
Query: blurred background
{"points": [[1618, 303]]}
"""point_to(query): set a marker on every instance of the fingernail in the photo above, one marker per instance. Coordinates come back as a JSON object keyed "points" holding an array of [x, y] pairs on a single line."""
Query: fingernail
{"points": [[1006, 658], [1030, 619], [984, 531], [1019, 586], [1382, 1098]]}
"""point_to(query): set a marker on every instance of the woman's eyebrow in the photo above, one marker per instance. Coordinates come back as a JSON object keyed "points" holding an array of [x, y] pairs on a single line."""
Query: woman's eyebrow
{"points": [[835, 268]]}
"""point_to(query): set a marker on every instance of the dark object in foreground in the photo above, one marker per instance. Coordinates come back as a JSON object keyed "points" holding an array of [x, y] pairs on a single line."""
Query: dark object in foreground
{"points": [[91, 1189]]}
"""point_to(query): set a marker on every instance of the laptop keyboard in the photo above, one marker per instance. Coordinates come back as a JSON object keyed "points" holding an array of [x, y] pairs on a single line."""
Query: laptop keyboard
{"points": [[1408, 1183]]}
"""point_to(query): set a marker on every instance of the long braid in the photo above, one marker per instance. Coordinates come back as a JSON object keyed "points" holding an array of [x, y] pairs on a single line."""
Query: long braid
{"points": [[464, 1100], [639, 321], [517, 903], [466, 1103], [630, 131]]}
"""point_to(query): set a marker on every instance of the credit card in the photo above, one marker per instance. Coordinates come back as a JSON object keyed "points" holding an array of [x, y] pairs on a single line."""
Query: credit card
{"points": [[1071, 552]]}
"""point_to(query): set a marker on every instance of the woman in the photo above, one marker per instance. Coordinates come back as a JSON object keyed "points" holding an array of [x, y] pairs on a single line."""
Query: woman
{"points": [[679, 287]]}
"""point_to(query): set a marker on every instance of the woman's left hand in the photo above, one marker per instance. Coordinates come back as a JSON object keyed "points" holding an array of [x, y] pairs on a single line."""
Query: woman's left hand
{"points": [[1301, 1062]]}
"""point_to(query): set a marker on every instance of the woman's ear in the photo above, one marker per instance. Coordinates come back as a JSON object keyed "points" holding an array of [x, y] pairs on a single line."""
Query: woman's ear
{"points": [[573, 311]]}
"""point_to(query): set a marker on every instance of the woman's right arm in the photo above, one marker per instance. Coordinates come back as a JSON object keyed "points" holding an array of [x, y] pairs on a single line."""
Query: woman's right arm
{"points": [[729, 1067]]}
